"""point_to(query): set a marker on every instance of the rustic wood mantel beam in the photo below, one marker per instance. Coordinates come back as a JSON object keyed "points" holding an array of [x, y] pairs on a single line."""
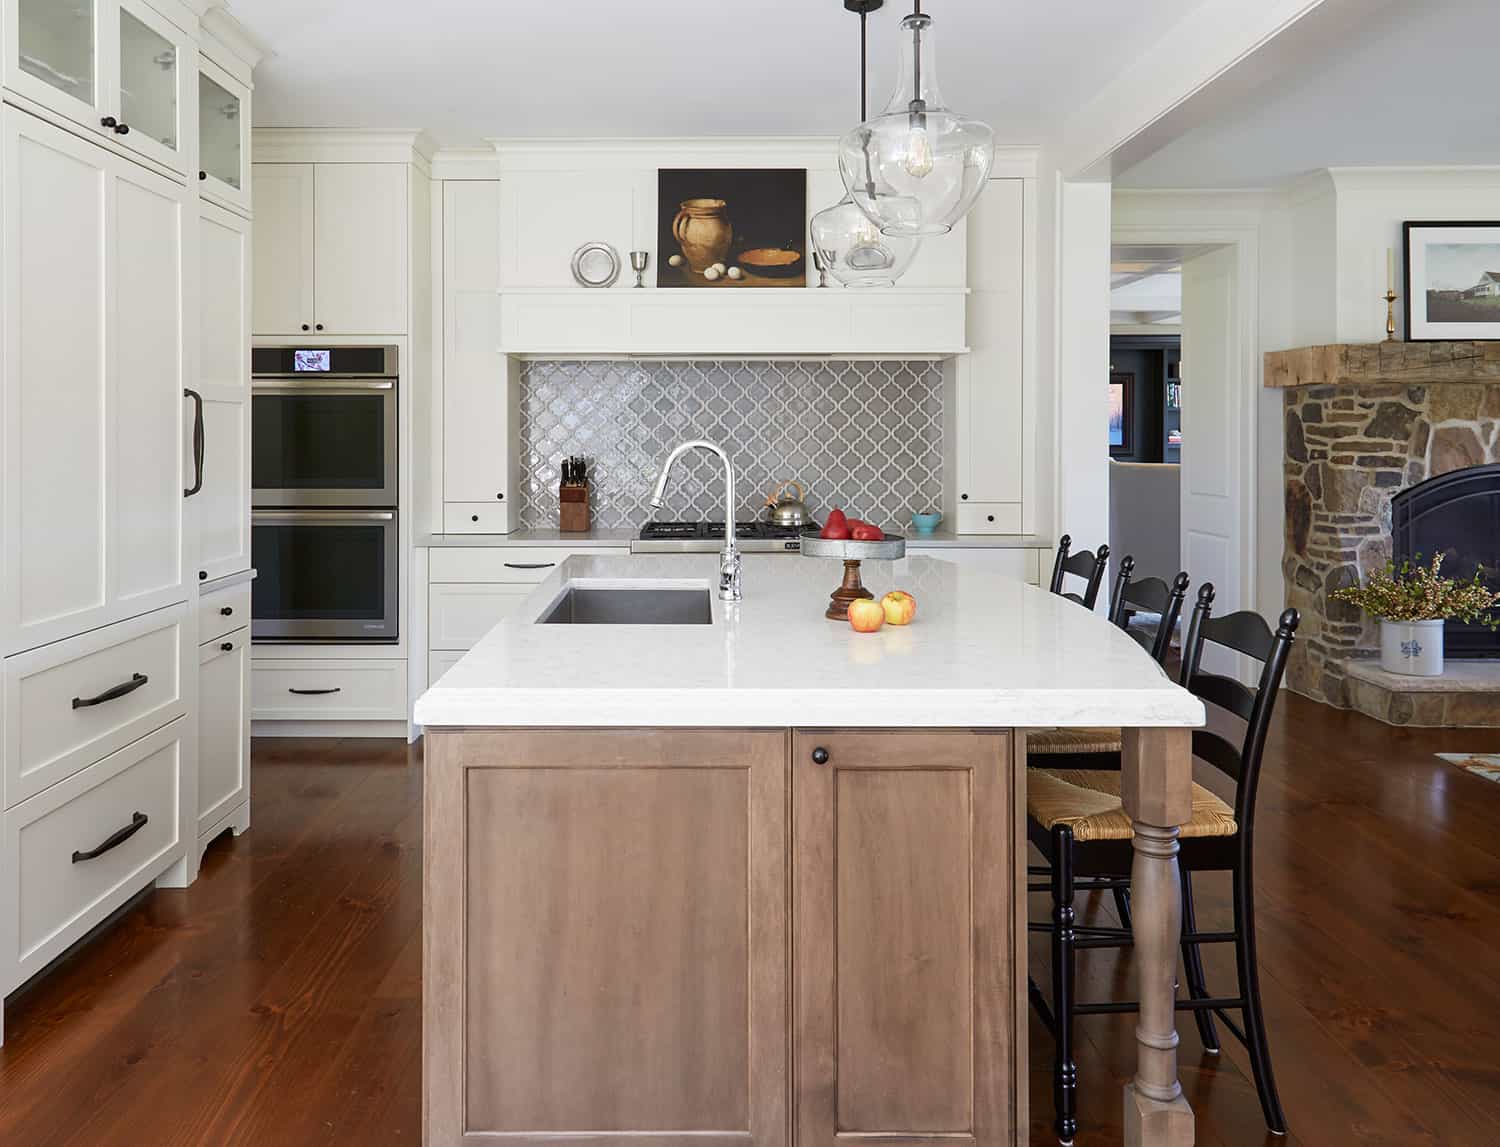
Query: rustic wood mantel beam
{"points": [[1358, 364]]}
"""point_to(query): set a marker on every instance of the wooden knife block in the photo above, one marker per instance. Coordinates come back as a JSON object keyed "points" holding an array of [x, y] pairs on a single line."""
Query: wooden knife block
{"points": [[573, 509]]}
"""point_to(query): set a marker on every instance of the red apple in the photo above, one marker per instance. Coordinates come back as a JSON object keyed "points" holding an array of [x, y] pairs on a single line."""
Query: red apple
{"points": [[899, 607], [866, 615]]}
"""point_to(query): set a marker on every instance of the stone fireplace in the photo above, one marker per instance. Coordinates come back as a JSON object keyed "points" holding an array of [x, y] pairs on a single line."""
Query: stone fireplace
{"points": [[1363, 425]]}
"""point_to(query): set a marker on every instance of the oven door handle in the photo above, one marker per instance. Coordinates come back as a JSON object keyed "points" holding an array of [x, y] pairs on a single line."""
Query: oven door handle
{"points": [[198, 441], [321, 517], [331, 385]]}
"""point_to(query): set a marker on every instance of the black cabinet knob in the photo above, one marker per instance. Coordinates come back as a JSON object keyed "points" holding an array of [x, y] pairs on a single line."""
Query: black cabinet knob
{"points": [[501, 497], [226, 611], [965, 497], [202, 175], [320, 326], [990, 517], [473, 517], [306, 327], [227, 647], [109, 121], [202, 575], [820, 756], [122, 129]]}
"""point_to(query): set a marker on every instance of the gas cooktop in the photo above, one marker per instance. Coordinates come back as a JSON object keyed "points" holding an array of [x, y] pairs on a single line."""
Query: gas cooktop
{"points": [[708, 537]]}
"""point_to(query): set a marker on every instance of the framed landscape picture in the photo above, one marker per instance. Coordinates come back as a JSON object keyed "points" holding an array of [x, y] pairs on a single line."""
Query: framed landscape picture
{"points": [[1452, 281], [731, 227], [1121, 412]]}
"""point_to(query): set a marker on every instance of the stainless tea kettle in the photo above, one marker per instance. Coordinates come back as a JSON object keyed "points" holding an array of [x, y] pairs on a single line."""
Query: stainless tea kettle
{"points": [[784, 510]]}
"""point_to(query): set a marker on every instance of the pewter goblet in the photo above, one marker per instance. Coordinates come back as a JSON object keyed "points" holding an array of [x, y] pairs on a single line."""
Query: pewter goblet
{"points": [[639, 261]]}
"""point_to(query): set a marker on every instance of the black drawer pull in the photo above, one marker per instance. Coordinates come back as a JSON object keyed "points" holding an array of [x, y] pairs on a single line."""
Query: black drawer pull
{"points": [[529, 565], [112, 694], [315, 692], [115, 839]]}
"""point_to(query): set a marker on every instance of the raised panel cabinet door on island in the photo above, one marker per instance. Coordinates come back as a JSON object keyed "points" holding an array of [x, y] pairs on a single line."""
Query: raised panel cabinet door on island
{"points": [[605, 954], [908, 1019]]}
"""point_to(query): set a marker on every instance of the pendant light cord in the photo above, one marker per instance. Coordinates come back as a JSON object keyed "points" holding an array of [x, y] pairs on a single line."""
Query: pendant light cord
{"points": [[864, 65]]}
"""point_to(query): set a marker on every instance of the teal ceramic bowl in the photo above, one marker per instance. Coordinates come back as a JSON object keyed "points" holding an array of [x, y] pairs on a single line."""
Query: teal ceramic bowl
{"points": [[926, 523]]}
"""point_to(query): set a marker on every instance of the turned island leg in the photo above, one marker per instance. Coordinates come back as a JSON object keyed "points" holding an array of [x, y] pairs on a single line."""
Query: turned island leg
{"points": [[1156, 785]]}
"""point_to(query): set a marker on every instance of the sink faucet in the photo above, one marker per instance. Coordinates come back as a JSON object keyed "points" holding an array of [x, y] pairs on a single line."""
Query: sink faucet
{"points": [[729, 557]]}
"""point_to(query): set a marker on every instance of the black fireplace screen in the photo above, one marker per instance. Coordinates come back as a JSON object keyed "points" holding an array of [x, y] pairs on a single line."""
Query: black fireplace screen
{"points": [[1457, 514]]}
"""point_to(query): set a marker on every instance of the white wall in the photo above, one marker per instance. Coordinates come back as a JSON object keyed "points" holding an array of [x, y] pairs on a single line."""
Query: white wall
{"points": [[1372, 204]]}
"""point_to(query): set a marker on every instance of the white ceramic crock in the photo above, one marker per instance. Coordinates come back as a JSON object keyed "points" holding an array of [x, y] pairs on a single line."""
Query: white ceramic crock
{"points": [[1412, 647]]}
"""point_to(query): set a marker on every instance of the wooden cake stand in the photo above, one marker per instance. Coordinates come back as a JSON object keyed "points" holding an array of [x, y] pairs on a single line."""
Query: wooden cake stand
{"points": [[892, 548]]}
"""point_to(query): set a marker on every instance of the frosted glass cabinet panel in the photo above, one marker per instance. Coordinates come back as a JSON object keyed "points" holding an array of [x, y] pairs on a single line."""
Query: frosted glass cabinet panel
{"points": [[219, 132], [56, 45], [148, 80]]}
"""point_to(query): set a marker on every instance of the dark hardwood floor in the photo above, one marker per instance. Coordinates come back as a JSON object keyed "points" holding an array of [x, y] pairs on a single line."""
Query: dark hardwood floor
{"points": [[277, 1002]]}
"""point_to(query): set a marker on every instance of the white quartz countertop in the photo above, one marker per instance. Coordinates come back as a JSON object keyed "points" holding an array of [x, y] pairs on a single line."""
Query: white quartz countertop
{"points": [[984, 651], [621, 539]]}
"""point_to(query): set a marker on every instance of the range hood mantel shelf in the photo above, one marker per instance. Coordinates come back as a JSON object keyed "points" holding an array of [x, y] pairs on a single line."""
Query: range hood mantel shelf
{"points": [[836, 321]]}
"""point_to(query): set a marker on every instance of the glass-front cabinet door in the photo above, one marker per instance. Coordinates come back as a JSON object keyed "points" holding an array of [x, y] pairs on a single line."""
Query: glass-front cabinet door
{"points": [[154, 61], [223, 136], [54, 55]]}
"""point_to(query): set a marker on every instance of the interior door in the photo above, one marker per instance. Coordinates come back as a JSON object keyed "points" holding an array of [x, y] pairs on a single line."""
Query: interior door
{"points": [[222, 508], [55, 414], [283, 236], [150, 419], [904, 953], [1213, 429]]}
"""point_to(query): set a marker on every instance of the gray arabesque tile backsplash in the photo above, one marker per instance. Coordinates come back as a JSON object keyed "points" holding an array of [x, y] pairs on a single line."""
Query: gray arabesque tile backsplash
{"points": [[867, 436]]}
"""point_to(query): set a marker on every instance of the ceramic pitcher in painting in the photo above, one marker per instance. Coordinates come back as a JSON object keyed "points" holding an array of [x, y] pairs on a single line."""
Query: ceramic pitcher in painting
{"points": [[703, 232]]}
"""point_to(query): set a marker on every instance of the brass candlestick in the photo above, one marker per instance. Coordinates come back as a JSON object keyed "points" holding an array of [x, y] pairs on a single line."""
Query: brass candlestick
{"points": [[1390, 315]]}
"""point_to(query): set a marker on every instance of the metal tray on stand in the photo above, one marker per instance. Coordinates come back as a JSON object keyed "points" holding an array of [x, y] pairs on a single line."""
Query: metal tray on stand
{"points": [[891, 548]]}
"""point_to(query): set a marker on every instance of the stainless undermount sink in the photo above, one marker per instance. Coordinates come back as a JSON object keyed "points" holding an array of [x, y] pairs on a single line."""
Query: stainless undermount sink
{"points": [[617, 605]]}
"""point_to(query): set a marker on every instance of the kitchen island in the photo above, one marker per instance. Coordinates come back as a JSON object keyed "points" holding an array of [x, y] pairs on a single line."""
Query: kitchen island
{"points": [[731, 874]]}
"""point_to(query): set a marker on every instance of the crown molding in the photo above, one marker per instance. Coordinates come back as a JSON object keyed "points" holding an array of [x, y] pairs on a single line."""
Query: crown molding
{"points": [[1483, 176], [231, 36], [341, 145], [465, 163]]}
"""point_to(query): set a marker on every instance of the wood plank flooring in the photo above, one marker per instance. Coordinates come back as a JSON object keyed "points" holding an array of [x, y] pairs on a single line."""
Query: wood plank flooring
{"points": [[277, 1002]]}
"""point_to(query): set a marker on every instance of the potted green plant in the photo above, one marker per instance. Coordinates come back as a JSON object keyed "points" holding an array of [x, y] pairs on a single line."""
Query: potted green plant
{"points": [[1412, 603]]}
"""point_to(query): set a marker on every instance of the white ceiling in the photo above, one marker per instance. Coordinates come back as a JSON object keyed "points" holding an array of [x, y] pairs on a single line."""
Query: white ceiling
{"points": [[1414, 86], [467, 70]]}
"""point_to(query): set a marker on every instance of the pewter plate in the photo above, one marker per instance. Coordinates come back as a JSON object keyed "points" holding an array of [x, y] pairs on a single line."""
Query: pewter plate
{"points": [[889, 550], [596, 265]]}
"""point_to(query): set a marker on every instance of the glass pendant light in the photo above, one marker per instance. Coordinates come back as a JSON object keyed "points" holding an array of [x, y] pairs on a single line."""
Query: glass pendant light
{"points": [[918, 167], [851, 247]]}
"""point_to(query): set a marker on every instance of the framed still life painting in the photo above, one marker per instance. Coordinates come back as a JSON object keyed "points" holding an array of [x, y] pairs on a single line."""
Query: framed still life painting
{"points": [[1452, 281], [731, 227]]}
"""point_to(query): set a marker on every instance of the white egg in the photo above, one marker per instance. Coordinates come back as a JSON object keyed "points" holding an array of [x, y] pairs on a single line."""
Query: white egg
{"points": [[719, 267], [711, 274], [736, 273], [675, 261]]}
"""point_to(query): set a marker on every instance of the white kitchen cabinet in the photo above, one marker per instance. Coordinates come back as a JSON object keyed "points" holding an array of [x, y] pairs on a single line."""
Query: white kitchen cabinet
{"points": [[480, 385], [116, 67], [223, 735], [94, 410], [222, 508], [223, 137], [283, 277], [988, 416], [331, 248], [459, 615]]}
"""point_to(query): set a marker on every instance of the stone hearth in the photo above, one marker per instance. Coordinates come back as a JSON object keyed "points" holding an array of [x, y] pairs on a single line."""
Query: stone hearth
{"points": [[1361, 424], [1466, 695]]}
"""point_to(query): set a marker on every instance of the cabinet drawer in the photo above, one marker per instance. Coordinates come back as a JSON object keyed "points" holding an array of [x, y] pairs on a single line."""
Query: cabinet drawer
{"points": [[74, 702], [81, 849], [989, 518], [328, 690], [496, 563], [459, 615], [223, 611], [439, 661], [475, 518]]}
